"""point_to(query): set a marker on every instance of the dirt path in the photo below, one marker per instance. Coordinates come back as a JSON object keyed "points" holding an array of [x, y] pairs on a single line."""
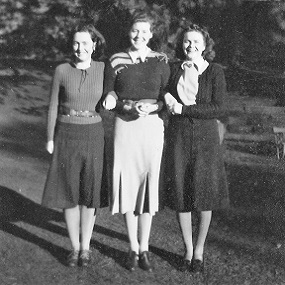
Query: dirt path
{"points": [[245, 244]]}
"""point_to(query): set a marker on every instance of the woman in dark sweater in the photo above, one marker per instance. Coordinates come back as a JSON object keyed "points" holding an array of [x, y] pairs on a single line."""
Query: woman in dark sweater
{"points": [[195, 97], [134, 82], [76, 142]]}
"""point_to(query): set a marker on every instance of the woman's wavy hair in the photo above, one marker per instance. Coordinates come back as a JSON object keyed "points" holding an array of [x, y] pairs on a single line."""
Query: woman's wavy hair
{"points": [[208, 54], [142, 16], [96, 37]]}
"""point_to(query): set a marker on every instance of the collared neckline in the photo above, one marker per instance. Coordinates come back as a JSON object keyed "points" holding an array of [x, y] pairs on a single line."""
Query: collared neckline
{"points": [[200, 64], [134, 55]]}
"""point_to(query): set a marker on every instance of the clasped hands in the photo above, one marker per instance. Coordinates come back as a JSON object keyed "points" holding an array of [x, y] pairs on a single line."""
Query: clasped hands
{"points": [[172, 105], [142, 109]]}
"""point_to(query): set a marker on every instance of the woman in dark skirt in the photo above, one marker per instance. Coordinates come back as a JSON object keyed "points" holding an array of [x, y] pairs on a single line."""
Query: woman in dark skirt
{"points": [[195, 97], [76, 142]]}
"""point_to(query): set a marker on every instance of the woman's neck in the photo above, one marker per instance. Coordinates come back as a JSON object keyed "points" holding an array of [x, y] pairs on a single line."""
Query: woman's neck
{"points": [[83, 64]]}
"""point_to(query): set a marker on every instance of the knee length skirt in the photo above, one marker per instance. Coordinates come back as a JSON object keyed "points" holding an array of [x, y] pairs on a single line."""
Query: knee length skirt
{"points": [[75, 173], [138, 148], [195, 166]]}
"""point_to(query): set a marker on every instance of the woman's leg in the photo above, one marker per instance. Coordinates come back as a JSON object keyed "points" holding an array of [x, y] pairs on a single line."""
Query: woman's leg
{"points": [[132, 228], [72, 218], [185, 220], [145, 221], [88, 216], [205, 220]]}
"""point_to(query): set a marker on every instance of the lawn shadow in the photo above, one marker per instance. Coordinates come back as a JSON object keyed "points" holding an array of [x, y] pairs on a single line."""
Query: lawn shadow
{"points": [[117, 255], [120, 256], [172, 258], [25, 139], [255, 221], [15, 207], [257, 200]]}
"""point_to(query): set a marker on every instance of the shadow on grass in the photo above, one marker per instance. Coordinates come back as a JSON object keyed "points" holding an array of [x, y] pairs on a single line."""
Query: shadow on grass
{"points": [[24, 139], [15, 207], [257, 210]]}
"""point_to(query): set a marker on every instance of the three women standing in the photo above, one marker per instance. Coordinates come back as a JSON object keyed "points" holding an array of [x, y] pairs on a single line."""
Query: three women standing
{"points": [[76, 142], [134, 82], [195, 97], [134, 87]]}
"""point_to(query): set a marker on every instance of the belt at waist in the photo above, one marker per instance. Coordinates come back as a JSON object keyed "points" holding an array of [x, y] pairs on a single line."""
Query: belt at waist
{"points": [[77, 113], [151, 101]]}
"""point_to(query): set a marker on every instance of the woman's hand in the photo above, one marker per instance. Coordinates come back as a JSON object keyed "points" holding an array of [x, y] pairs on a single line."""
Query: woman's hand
{"points": [[172, 105], [110, 102], [142, 108], [147, 108], [50, 146], [169, 101], [176, 108]]}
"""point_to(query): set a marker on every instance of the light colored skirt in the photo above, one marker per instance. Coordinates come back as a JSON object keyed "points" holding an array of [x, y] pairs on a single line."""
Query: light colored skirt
{"points": [[138, 148]]}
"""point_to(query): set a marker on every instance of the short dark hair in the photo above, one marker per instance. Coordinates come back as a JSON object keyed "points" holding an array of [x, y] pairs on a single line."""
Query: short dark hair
{"points": [[208, 53], [95, 35]]}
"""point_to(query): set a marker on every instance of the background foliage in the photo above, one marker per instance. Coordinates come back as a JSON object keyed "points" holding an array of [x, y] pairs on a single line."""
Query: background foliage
{"points": [[247, 32]]}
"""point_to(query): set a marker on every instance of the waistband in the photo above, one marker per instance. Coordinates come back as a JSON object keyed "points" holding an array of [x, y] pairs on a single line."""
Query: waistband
{"points": [[65, 111]]}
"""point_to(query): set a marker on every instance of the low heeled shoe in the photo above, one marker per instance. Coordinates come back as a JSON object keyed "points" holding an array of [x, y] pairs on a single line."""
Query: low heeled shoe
{"points": [[84, 258], [185, 265], [197, 266], [144, 261], [72, 258], [132, 261]]}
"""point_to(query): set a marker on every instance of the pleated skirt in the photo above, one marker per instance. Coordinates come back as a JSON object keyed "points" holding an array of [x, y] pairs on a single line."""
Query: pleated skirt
{"points": [[138, 148], [75, 173]]}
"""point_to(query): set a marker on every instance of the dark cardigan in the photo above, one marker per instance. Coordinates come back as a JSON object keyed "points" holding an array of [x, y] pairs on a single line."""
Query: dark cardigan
{"points": [[196, 179]]}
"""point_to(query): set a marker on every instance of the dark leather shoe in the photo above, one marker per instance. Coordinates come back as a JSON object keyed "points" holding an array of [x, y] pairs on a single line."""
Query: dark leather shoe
{"points": [[144, 261], [185, 265], [84, 258], [197, 266], [72, 258], [132, 261]]}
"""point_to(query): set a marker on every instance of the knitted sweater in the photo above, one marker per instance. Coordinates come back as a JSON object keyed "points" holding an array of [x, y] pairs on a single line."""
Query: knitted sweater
{"points": [[211, 93], [76, 89], [144, 80]]}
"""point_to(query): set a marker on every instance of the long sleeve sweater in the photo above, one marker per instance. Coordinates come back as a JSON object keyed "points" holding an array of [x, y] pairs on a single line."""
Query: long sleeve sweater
{"points": [[211, 93], [144, 80], [76, 89]]}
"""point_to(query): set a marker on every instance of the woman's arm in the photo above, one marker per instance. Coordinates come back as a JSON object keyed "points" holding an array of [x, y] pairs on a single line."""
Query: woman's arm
{"points": [[165, 74], [53, 109], [109, 97]]}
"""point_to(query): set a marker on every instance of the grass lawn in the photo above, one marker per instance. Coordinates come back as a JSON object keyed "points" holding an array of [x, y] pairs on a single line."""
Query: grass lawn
{"points": [[245, 243]]}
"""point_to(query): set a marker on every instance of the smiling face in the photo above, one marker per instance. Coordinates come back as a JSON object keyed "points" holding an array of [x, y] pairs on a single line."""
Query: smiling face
{"points": [[83, 46], [193, 45], [140, 34]]}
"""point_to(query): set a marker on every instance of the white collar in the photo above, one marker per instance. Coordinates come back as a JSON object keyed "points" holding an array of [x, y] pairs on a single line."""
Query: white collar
{"points": [[200, 64], [135, 54]]}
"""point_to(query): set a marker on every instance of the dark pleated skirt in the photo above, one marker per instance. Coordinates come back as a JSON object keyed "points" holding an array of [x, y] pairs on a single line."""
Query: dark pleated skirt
{"points": [[195, 172], [75, 173]]}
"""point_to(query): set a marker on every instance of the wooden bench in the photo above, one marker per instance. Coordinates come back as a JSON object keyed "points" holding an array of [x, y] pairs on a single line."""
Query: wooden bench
{"points": [[279, 134]]}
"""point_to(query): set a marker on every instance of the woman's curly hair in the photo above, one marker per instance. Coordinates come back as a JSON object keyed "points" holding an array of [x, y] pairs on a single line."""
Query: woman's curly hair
{"points": [[208, 54]]}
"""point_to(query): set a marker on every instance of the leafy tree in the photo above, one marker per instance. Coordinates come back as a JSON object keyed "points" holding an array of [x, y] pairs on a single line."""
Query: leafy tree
{"points": [[40, 28]]}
